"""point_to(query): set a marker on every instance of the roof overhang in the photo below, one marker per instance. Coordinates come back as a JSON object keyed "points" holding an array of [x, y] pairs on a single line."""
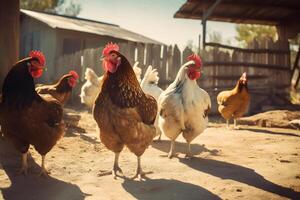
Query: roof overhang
{"points": [[266, 12]]}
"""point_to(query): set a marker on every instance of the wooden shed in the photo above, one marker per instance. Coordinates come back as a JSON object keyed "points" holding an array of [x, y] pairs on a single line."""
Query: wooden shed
{"points": [[266, 62], [73, 43]]}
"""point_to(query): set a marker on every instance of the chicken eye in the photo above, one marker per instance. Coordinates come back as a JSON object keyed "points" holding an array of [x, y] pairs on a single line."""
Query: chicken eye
{"points": [[113, 55], [34, 62]]}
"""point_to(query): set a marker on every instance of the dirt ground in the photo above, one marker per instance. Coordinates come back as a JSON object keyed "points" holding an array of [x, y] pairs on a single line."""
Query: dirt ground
{"points": [[250, 163]]}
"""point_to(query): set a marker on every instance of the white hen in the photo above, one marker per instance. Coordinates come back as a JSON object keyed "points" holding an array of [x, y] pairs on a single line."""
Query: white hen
{"points": [[183, 106], [91, 88], [149, 85]]}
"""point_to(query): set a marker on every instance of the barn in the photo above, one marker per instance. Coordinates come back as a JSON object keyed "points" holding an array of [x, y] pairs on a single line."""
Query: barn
{"points": [[267, 62], [73, 43]]}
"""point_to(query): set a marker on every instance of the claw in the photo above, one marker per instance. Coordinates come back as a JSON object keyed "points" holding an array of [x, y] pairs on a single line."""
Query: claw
{"points": [[23, 170], [44, 173], [113, 172], [140, 175], [189, 156], [170, 155]]}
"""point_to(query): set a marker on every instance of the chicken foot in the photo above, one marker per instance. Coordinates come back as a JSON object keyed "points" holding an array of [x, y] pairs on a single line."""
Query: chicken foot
{"points": [[24, 167], [43, 171], [235, 126], [115, 168], [140, 174]]}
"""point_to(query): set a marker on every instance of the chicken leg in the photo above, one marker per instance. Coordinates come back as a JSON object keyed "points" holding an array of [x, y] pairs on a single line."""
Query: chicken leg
{"points": [[43, 172], [189, 154], [24, 167], [235, 126], [171, 152], [227, 123], [139, 172], [115, 168]]}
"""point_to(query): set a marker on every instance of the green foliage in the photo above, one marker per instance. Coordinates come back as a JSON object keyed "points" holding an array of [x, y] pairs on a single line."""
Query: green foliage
{"points": [[65, 7], [246, 33], [38, 5]]}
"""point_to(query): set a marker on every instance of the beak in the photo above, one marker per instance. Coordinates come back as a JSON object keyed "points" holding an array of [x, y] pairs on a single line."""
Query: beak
{"points": [[244, 76]]}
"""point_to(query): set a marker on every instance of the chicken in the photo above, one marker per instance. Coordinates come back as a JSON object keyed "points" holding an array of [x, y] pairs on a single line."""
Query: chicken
{"points": [[184, 106], [91, 88], [234, 103], [26, 117], [149, 85], [137, 71], [61, 90], [124, 113]]}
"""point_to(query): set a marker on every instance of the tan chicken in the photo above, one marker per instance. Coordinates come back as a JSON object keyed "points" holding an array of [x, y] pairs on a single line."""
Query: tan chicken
{"points": [[124, 113], [234, 103], [26, 117], [61, 90]]}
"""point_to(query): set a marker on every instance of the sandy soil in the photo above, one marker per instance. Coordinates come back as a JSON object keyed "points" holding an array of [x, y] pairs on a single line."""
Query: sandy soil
{"points": [[251, 163]]}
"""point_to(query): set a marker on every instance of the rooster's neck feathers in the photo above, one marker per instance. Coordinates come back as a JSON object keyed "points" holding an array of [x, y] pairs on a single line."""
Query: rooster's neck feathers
{"points": [[18, 88], [122, 86], [62, 85]]}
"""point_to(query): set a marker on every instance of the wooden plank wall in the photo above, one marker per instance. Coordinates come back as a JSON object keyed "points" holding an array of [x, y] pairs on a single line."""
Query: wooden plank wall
{"points": [[268, 71]]}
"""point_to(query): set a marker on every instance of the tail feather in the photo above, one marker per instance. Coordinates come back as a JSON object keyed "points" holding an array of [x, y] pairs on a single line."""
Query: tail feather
{"points": [[137, 71], [90, 74], [151, 76]]}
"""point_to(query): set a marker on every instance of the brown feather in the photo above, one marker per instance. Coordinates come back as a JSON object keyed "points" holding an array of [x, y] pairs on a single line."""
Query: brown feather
{"points": [[38, 121], [61, 90], [123, 112]]}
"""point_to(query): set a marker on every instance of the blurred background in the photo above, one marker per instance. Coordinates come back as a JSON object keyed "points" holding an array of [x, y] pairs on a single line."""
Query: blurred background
{"points": [[261, 38]]}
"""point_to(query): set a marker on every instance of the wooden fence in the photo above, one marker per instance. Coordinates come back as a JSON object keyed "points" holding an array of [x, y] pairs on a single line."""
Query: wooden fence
{"points": [[267, 64]]}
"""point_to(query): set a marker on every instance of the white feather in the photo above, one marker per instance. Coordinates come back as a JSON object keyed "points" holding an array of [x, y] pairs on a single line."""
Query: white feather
{"points": [[182, 106], [91, 88]]}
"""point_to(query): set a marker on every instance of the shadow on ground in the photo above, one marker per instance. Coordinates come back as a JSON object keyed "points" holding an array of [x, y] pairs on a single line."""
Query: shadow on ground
{"points": [[181, 147], [32, 186], [225, 170], [257, 130], [166, 189]]}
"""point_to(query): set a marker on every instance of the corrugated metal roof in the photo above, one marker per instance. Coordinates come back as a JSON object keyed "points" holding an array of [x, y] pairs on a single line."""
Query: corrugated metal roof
{"points": [[88, 26]]}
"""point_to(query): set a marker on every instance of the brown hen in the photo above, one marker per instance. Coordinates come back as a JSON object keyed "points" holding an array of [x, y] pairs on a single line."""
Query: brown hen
{"points": [[124, 113], [234, 103], [28, 118], [61, 90]]}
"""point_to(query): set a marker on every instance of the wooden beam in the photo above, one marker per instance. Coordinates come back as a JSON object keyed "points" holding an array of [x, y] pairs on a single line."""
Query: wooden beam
{"points": [[296, 63], [9, 35], [275, 51], [206, 14], [231, 18], [254, 65]]}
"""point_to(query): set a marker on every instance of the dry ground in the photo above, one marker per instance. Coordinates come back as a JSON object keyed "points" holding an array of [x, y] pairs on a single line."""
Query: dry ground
{"points": [[251, 163]]}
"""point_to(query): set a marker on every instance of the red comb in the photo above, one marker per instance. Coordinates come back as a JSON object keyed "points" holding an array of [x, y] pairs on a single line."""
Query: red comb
{"points": [[194, 57], [74, 74], [110, 47], [38, 55]]}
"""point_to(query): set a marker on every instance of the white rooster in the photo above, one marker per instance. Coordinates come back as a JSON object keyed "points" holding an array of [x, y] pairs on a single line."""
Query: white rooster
{"points": [[92, 87], [183, 106]]}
